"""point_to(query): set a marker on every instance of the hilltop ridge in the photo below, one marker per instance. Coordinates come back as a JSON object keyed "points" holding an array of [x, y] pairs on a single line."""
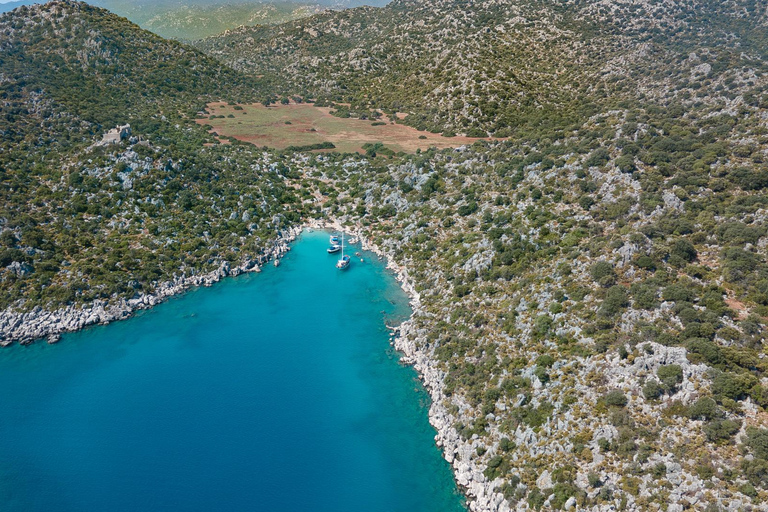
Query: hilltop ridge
{"points": [[493, 67]]}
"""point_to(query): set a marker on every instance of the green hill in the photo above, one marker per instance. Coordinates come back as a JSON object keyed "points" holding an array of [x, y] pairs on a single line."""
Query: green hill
{"points": [[74, 212], [471, 67]]}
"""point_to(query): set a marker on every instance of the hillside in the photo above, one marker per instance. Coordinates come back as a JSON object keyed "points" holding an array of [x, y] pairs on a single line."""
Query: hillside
{"points": [[503, 66], [82, 221], [591, 295]]}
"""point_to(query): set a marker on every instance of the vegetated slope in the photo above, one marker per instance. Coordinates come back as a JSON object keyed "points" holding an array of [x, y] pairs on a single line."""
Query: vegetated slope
{"points": [[81, 222], [593, 305], [593, 292], [189, 20], [469, 66]]}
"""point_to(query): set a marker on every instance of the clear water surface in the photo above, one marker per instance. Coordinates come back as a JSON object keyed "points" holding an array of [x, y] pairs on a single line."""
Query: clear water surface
{"points": [[269, 392]]}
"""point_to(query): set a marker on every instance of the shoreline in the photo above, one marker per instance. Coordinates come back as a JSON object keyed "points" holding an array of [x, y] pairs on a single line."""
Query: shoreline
{"points": [[469, 477], [39, 324]]}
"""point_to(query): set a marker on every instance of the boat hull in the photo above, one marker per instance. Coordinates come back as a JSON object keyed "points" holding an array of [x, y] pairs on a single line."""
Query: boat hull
{"points": [[343, 263]]}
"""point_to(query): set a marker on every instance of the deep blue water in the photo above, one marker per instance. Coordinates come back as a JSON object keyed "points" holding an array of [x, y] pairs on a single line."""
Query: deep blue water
{"points": [[269, 392]]}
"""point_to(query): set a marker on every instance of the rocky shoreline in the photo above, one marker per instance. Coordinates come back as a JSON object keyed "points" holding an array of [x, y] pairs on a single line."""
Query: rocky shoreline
{"points": [[40, 324], [24, 328], [409, 341]]}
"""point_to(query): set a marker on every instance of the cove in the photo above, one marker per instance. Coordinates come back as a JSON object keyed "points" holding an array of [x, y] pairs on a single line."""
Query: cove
{"points": [[276, 391]]}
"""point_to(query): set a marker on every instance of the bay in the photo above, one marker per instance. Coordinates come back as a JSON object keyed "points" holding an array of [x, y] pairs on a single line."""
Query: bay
{"points": [[276, 391]]}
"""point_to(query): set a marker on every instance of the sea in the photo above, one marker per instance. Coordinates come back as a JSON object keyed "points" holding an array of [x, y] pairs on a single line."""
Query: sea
{"points": [[276, 391]]}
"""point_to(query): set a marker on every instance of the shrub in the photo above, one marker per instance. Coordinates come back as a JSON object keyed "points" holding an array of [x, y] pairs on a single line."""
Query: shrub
{"points": [[644, 296], [670, 376], [545, 360], [615, 300], [626, 164], [536, 499], [603, 274], [598, 158], [721, 430], [757, 441], [506, 445], [678, 293], [645, 262], [704, 408], [652, 390], [615, 398], [733, 385], [756, 471], [542, 325], [541, 374], [586, 202], [462, 290]]}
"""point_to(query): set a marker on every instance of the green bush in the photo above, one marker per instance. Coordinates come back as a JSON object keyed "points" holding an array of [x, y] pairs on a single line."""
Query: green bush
{"points": [[506, 445], [735, 386], [757, 442], [645, 262], [684, 250], [670, 376], [652, 390], [615, 301], [603, 274], [705, 408], [721, 430], [536, 499], [615, 398]]}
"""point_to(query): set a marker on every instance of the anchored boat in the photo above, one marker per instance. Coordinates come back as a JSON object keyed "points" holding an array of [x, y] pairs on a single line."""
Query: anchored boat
{"points": [[343, 262]]}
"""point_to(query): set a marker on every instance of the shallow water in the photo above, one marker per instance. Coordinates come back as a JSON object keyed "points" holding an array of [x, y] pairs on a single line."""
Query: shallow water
{"points": [[276, 391]]}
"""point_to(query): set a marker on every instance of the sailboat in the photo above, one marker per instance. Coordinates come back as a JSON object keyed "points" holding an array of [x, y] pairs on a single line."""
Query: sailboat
{"points": [[343, 262]]}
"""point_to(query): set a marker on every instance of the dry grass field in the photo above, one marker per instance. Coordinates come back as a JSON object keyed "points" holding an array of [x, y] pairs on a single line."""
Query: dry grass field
{"points": [[280, 126]]}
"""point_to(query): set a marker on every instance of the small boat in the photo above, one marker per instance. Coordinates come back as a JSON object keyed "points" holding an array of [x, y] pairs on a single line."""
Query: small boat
{"points": [[277, 263], [344, 261], [334, 240], [334, 248]]}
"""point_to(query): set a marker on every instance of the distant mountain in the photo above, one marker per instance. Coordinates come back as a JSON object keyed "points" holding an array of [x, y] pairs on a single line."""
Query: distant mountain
{"points": [[196, 19], [9, 6], [189, 20]]}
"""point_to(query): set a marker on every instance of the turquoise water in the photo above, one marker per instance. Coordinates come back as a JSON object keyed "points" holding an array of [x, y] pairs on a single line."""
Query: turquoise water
{"points": [[269, 392]]}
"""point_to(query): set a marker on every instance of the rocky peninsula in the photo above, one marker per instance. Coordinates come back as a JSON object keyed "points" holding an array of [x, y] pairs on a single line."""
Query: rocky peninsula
{"points": [[37, 324]]}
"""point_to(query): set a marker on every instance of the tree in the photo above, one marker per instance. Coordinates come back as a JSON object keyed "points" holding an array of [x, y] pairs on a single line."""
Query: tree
{"points": [[684, 250]]}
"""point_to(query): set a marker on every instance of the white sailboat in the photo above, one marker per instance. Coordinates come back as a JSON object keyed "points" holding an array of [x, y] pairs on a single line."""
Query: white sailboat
{"points": [[343, 262]]}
